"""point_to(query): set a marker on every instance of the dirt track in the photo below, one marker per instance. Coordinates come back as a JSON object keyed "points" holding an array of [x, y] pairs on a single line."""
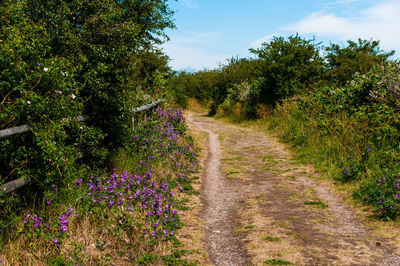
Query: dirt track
{"points": [[257, 207]]}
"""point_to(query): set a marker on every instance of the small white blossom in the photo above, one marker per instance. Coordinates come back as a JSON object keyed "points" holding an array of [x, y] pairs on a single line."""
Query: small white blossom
{"points": [[28, 102], [45, 69], [73, 96]]}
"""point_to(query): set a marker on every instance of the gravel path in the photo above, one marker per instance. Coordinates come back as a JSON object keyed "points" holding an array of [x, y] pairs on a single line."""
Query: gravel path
{"points": [[253, 193], [220, 204]]}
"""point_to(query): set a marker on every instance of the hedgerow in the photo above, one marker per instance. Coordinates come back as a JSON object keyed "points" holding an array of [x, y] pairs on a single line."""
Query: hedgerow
{"points": [[62, 59], [356, 128]]}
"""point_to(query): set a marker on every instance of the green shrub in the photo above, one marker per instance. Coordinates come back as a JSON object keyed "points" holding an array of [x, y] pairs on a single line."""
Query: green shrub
{"points": [[62, 59]]}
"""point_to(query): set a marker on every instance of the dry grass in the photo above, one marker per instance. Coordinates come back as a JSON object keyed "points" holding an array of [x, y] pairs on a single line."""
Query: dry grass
{"points": [[193, 105], [265, 228], [93, 241], [192, 235]]}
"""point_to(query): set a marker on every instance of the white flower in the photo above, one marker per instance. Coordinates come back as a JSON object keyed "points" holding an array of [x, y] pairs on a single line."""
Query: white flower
{"points": [[62, 73], [45, 69], [73, 96], [28, 102]]}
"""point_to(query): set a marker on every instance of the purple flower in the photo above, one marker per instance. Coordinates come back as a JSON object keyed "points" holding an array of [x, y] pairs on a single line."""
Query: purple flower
{"points": [[78, 181], [55, 240]]}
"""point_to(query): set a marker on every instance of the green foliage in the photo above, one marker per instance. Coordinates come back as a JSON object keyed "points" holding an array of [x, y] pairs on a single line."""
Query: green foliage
{"points": [[383, 193], [211, 86], [245, 94], [354, 128], [357, 57], [289, 66], [62, 59], [272, 239], [318, 203], [277, 262]]}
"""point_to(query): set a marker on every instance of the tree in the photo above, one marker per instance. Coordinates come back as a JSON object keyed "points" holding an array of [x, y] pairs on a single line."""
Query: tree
{"points": [[64, 58], [288, 66], [356, 57]]}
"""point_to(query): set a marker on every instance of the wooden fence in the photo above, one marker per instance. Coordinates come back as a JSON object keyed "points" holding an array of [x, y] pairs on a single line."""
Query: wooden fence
{"points": [[20, 182]]}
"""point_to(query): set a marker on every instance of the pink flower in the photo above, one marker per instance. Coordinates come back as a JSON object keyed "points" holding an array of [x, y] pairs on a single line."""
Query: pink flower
{"points": [[55, 240], [45, 69], [58, 91]]}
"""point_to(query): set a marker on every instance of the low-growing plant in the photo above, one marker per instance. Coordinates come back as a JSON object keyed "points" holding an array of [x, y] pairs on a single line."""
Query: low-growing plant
{"points": [[272, 239], [318, 203], [277, 262]]}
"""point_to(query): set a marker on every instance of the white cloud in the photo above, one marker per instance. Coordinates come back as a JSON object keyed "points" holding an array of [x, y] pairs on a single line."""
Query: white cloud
{"points": [[257, 43], [380, 22]]}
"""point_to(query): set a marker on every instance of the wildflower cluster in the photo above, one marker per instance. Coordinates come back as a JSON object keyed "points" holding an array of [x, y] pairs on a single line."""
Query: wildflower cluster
{"points": [[350, 168], [175, 118], [36, 226], [162, 140], [353, 167], [131, 195], [140, 205], [388, 196]]}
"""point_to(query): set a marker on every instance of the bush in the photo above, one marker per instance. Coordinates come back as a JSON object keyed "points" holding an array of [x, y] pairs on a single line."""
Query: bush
{"points": [[59, 60], [289, 67]]}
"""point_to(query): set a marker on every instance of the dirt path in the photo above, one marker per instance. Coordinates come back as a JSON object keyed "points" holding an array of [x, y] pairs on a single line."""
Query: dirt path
{"points": [[220, 204], [262, 208]]}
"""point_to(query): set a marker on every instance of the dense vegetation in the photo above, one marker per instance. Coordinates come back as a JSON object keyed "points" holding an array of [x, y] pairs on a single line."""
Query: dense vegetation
{"points": [[62, 59], [338, 105]]}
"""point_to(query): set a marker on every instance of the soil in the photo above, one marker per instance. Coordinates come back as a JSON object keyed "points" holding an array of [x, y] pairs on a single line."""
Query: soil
{"points": [[261, 207]]}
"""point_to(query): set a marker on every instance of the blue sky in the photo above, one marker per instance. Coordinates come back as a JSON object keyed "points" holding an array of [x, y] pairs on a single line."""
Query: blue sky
{"points": [[211, 31]]}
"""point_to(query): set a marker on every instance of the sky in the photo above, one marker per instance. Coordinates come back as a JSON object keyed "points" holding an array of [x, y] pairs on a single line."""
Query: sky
{"points": [[208, 32]]}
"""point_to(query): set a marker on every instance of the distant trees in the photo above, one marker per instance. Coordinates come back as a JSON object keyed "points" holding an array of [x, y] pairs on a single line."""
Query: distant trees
{"points": [[283, 67]]}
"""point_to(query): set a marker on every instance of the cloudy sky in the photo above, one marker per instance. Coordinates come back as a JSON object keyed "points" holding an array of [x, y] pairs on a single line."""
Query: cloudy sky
{"points": [[211, 31]]}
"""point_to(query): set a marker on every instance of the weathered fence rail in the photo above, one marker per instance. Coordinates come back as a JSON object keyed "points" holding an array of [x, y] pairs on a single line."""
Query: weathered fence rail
{"points": [[20, 182]]}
